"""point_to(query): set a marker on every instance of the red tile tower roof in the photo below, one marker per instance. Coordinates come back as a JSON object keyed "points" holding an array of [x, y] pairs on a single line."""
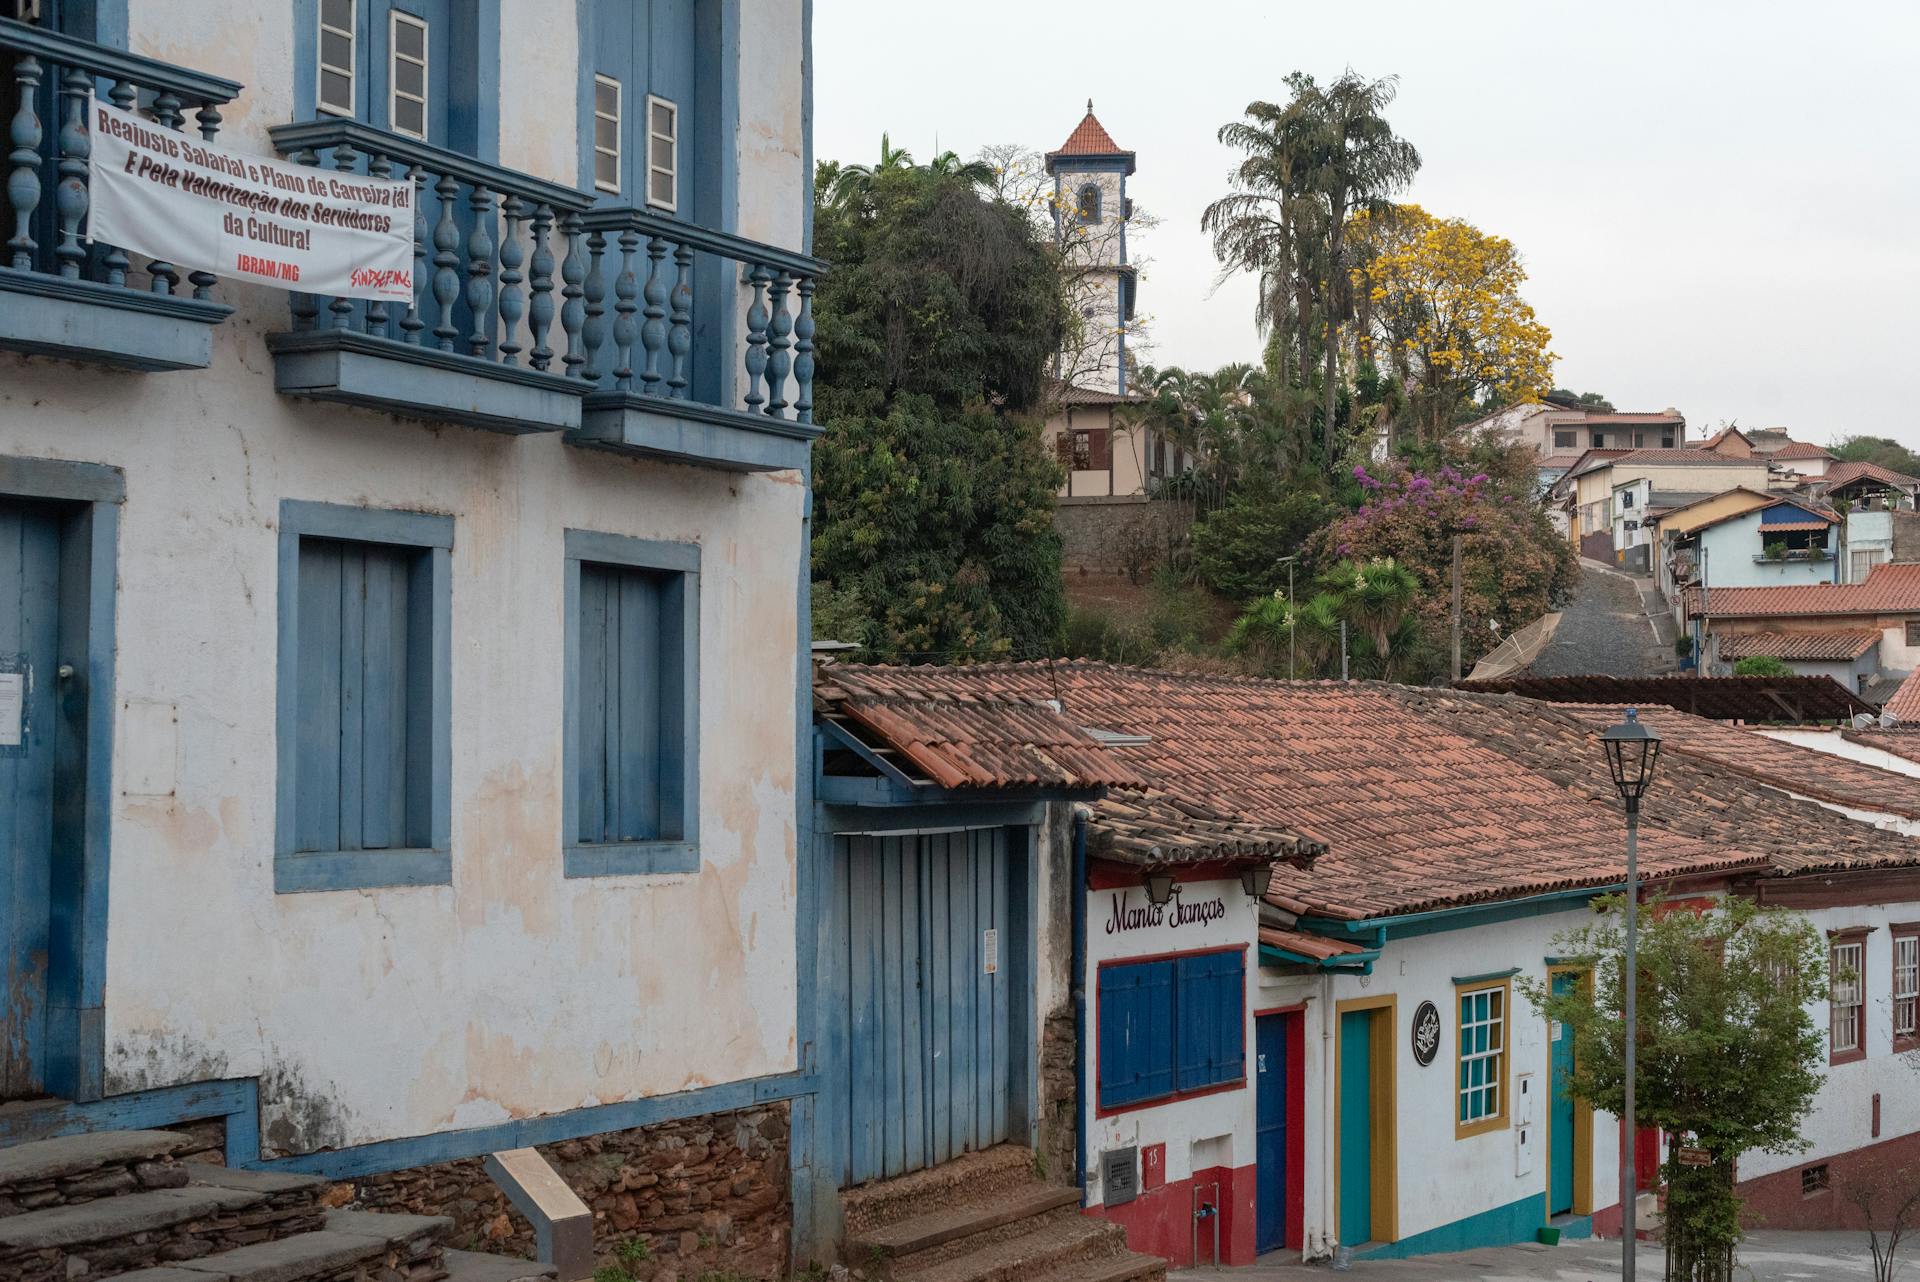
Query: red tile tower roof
{"points": [[1089, 139]]}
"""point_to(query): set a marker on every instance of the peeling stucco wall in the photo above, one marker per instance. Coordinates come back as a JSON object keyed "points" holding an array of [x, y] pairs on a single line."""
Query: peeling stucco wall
{"points": [[512, 992]]}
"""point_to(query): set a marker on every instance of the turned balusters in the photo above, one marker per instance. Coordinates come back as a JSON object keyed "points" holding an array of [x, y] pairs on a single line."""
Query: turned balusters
{"points": [[446, 263], [757, 320], [594, 331], [169, 111], [573, 311], [209, 119], [23, 162], [378, 166], [540, 310], [413, 322], [680, 330], [779, 340], [345, 160], [803, 354], [479, 267], [513, 299], [70, 196]]}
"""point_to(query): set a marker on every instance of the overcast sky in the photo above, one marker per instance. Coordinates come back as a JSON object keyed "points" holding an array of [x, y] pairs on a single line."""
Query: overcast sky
{"points": [[1718, 204]]}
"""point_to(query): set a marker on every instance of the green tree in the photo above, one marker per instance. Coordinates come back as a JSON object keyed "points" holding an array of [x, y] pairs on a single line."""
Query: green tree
{"points": [[1375, 600], [933, 494], [1762, 665], [1241, 549], [1728, 1056]]}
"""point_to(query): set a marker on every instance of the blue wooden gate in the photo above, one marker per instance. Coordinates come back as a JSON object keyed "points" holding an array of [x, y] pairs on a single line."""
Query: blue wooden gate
{"points": [[930, 1047], [29, 745]]}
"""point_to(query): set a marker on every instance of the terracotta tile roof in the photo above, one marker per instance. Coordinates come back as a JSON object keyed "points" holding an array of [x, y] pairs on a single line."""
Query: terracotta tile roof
{"points": [[1786, 766], [1681, 457], [1847, 473], [1072, 395], [1612, 418], [1892, 587], [1723, 698], [1797, 450], [1839, 645], [1899, 740], [1302, 944], [1413, 816], [1721, 436], [1090, 138], [1905, 703], [1704, 788]]}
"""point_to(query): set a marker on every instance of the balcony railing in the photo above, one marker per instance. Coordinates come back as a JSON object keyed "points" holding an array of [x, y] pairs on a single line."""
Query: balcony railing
{"points": [[1786, 555], [93, 301], [533, 311]]}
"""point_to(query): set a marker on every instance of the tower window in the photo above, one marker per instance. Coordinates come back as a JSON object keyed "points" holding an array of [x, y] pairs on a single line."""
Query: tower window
{"points": [[1087, 204]]}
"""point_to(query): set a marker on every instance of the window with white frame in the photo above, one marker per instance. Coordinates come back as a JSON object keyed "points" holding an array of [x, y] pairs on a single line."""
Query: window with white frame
{"points": [[1906, 988], [606, 134], [407, 46], [334, 92], [1482, 1058], [663, 153], [1846, 1029]]}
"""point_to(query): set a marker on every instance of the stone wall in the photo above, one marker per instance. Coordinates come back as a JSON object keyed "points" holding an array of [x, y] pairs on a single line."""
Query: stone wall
{"points": [[705, 1195], [1097, 534], [1057, 1096], [1906, 536]]}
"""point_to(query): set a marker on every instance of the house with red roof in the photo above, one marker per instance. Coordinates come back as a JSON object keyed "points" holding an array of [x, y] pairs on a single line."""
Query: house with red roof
{"points": [[1886, 602], [1280, 934]]}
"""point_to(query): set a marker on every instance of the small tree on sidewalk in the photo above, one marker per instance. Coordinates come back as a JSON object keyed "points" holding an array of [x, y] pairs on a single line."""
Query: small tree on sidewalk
{"points": [[1888, 1199], [1729, 1057]]}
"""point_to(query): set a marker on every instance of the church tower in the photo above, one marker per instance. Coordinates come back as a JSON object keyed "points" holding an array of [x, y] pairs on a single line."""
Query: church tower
{"points": [[1091, 210]]}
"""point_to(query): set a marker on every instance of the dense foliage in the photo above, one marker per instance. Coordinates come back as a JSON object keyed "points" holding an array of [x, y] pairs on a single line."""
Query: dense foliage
{"points": [[1883, 450], [937, 324], [1762, 665], [1729, 1057]]}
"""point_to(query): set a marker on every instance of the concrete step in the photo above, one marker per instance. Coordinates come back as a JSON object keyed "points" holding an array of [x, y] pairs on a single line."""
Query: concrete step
{"points": [[1130, 1267], [1068, 1248], [967, 1179], [478, 1266], [43, 1161], [267, 1183], [116, 1217], [355, 1246]]}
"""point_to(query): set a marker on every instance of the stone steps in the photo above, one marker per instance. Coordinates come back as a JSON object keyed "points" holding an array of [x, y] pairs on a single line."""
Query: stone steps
{"points": [[76, 1169], [355, 1246], [1131, 1267], [478, 1266], [926, 1239], [967, 1179], [1067, 1248]]}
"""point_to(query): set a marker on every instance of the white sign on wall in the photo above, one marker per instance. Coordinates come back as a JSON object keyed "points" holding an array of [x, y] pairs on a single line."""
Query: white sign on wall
{"points": [[161, 193]]}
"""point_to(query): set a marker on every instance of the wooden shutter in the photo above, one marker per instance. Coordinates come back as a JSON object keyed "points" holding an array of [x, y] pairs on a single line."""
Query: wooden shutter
{"points": [[363, 698], [1209, 998], [1063, 448], [628, 698], [1100, 446], [1136, 1024]]}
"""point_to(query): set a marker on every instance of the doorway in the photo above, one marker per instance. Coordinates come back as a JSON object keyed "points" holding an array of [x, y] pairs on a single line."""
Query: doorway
{"points": [[1279, 1141], [1569, 1125], [1366, 1153]]}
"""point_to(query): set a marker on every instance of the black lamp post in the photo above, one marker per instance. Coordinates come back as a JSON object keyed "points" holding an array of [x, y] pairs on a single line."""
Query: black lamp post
{"points": [[1632, 750]]}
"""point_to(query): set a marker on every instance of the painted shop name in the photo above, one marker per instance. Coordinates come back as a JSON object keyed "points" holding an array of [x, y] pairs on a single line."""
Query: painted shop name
{"points": [[1147, 915]]}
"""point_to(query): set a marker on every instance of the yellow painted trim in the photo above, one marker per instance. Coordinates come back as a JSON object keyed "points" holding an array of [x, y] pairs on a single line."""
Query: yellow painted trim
{"points": [[1499, 1121], [1384, 1092], [1582, 1116]]}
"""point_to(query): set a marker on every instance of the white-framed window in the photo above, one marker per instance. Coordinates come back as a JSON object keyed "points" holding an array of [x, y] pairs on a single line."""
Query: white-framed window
{"points": [[663, 153], [1482, 1059], [1906, 987], [606, 134], [1849, 999], [334, 92], [407, 56]]}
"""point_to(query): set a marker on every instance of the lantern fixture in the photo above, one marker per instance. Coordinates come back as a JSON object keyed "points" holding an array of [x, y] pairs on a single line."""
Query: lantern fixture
{"points": [[1159, 884], [1632, 750], [1255, 880]]}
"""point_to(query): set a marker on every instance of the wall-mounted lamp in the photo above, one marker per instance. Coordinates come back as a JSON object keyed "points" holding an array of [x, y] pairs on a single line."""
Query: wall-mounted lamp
{"points": [[1255, 878], [1159, 884]]}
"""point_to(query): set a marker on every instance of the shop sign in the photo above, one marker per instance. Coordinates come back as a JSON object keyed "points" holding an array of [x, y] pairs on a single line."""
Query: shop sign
{"points": [[1131, 910], [1426, 1033]]}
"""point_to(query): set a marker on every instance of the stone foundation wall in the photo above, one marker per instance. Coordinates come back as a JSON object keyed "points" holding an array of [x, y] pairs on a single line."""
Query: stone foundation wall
{"points": [[1102, 534], [671, 1202], [1057, 1096]]}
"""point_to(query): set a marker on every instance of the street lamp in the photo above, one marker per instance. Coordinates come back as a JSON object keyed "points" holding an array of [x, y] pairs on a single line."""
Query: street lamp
{"points": [[1632, 750], [1159, 884]]}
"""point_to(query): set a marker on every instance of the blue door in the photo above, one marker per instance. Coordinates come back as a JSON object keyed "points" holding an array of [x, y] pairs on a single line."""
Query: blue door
{"points": [[931, 1038], [1356, 1127], [30, 743], [1560, 1121], [1270, 1141]]}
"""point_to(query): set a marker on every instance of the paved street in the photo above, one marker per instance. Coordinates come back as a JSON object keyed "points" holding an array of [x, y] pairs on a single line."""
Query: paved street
{"points": [[1766, 1257], [1607, 629]]}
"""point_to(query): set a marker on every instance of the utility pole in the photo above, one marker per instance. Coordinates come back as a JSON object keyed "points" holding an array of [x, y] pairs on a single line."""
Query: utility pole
{"points": [[1343, 649], [1292, 619], [1456, 604]]}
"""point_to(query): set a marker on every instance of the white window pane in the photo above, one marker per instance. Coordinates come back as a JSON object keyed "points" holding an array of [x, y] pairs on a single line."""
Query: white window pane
{"points": [[410, 78], [336, 50], [337, 13], [606, 98], [410, 40], [606, 134], [662, 119], [661, 151], [606, 171], [336, 91], [660, 190]]}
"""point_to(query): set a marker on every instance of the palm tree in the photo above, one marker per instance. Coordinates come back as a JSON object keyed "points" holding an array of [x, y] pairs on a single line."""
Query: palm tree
{"points": [[978, 172], [847, 185]]}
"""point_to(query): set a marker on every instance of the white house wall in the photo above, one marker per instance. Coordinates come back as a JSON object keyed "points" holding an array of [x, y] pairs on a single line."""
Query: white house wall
{"points": [[373, 1014]]}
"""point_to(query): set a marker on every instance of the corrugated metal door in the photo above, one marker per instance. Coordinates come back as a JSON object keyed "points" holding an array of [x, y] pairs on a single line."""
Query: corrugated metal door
{"points": [[924, 974]]}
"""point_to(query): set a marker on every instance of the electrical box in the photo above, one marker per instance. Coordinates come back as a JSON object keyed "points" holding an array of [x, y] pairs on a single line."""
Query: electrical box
{"points": [[1523, 1130]]}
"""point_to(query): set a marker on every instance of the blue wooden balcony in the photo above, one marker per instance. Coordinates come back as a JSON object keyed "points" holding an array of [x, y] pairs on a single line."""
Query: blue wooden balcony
{"points": [[59, 294], [535, 312]]}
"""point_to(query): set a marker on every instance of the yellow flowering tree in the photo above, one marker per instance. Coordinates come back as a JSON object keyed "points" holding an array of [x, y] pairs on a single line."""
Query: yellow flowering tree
{"points": [[1440, 309]]}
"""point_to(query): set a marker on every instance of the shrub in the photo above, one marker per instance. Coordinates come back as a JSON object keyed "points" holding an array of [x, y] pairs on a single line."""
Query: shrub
{"points": [[1762, 665]]}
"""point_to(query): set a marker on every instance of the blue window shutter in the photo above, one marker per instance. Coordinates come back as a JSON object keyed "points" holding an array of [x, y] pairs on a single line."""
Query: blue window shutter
{"points": [[1136, 1048], [1212, 1021], [363, 692], [628, 689]]}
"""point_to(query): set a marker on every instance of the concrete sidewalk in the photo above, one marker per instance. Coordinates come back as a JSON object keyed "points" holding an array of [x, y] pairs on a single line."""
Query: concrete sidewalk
{"points": [[1764, 1257]]}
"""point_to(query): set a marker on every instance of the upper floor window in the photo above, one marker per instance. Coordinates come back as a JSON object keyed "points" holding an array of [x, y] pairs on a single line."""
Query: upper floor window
{"points": [[1482, 1058], [1598, 440], [663, 153], [606, 134], [1906, 987], [1086, 205], [338, 58], [407, 46], [1626, 498], [1171, 1027], [393, 65], [1847, 1028], [1563, 440]]}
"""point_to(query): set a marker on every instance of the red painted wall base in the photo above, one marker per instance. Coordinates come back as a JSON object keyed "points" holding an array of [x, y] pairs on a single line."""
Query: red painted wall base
{"points": [[1160, 1221], [1780, 1200]]}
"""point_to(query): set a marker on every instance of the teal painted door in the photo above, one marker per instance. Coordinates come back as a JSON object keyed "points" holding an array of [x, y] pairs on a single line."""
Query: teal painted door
{"points": [[29, 637], [1560, 1119], [1356, 1127], [929, 1039]]}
